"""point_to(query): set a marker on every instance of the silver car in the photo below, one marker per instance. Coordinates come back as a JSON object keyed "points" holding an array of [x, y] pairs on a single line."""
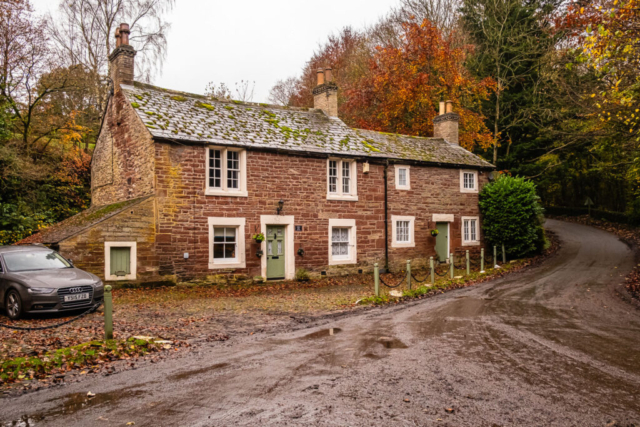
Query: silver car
{"points": [[36, 279]]}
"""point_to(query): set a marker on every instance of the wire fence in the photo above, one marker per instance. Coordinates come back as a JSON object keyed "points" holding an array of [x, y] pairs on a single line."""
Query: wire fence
{"points": [[42, 328]]}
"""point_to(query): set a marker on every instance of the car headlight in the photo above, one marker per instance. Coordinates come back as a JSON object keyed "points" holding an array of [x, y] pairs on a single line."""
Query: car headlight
{"points": [[41, 290], [98, 285]]}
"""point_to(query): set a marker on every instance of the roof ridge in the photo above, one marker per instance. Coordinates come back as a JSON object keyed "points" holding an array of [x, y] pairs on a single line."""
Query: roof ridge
{"points": [[404, 135], [222, 101]]}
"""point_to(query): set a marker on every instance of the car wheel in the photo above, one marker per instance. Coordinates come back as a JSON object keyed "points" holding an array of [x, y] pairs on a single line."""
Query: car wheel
{"points": [[14, 305]]}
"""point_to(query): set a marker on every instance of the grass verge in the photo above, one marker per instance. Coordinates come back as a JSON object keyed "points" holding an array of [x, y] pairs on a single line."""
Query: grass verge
{"points": [[91, 356]]}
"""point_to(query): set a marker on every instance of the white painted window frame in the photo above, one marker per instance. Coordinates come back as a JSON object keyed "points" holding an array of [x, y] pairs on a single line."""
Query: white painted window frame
{"points": [[353, 241], [224, 191], [133, 260], [475, 181], [288, 221], [353, 187], [470, 242], [408, 185], [394, 228], [240, 224]]}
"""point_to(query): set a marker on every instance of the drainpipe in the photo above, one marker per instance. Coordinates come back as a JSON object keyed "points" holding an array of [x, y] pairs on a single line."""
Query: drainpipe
{"points": [[386, 217]]}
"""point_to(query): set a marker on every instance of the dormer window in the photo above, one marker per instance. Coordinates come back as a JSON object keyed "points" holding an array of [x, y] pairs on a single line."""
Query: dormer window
{"points": [[226, 172], [341, 180]]}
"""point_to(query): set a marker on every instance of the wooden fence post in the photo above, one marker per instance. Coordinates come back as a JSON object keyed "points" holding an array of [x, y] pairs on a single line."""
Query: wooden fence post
{"points": [[376, 278]]}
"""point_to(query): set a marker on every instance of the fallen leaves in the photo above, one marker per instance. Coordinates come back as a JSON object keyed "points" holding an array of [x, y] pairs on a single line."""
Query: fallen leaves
{"points": [[53, 365]]}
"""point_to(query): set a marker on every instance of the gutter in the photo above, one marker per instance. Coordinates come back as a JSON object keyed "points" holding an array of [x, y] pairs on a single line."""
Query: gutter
{"points": [[386, 218]]}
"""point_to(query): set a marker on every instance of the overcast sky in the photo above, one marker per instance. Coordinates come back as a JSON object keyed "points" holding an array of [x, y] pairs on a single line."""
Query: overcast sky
{"points": [[256, 40]]}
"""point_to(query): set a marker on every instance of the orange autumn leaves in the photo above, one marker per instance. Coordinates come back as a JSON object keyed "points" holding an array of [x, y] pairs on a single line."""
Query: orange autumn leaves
{"points": [[401, 91]]}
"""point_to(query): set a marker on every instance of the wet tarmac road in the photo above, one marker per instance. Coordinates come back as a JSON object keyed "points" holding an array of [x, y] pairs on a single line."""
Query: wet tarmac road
{"points": [[552, 346]]}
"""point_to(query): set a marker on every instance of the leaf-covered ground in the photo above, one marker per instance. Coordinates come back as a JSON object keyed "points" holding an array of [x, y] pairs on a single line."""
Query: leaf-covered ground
{"points": [[191, 313]]}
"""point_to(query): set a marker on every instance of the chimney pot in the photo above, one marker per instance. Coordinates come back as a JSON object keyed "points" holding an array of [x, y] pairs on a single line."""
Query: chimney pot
{"points": [[124, 34], [445, 125], [325, 94], [449, 108], [121, 60], [328, 75]]}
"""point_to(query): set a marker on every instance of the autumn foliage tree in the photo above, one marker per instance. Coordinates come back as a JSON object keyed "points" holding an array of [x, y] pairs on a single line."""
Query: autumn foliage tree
{"points": [[611, 46], [405, 84]]}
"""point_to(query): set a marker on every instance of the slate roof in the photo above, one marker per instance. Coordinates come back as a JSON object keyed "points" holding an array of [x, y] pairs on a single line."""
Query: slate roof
{"points": [[79, 222], [187, 117]]}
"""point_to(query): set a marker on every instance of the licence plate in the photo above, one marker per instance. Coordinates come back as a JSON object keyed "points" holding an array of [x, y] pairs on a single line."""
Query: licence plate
{"points": [[76, 297]]}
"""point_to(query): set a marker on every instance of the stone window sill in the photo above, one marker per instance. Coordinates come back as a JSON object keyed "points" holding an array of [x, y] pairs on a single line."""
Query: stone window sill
{"points": [[348, 198], [210, 192], [221, 266]]}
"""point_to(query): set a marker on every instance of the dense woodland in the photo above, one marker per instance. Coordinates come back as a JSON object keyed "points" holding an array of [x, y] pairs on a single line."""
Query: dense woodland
{"points": [[546, 89]]}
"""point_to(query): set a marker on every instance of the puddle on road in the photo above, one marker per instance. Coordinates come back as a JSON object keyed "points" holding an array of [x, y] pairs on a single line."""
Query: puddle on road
{"points": [[189, 374], [323, 333], [72, 403]]}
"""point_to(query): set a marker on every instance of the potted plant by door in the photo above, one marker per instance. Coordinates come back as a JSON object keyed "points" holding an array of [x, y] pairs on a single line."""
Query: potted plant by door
{"points": [[434, 232], [259, 237]]}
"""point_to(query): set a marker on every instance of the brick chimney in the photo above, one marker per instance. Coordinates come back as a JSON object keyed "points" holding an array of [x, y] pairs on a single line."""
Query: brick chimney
{"points": [[325, 94], [445, 124], [121, 59]]}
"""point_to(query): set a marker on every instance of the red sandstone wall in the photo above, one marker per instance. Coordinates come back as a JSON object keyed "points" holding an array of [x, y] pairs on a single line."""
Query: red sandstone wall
{"points": [[433, 191], [183, 209], [123, 161]]}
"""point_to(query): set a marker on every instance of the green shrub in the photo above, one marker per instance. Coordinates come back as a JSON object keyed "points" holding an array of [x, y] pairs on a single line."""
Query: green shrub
{"points": [[512, 215], [302, 275]]}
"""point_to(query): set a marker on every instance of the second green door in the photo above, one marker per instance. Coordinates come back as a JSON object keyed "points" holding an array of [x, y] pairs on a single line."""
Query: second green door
{"points": [[442, 241]]}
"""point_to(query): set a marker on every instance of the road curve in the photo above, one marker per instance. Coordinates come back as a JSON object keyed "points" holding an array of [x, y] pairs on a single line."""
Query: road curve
{"points": [[552, 346]]}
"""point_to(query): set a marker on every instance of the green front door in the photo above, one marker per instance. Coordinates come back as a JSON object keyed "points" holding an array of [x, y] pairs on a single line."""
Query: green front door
{"points": [[442, 240], [275, 252]]}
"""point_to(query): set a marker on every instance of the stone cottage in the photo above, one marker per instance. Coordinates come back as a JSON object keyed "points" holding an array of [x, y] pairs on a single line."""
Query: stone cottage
{"points": [[181, 184]]}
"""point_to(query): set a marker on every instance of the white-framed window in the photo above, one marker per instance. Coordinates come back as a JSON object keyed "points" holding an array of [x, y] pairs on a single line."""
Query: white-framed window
{"points": [[341, 180], [120, 260], [342, 241], [468, 181], [226, 172], [403, 181], [226, 243], [470, 230], [403, 231]]}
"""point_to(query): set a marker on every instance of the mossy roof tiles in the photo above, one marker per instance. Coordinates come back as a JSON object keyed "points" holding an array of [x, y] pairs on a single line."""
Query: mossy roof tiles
{"points": [[79, 222], [185, 117]]}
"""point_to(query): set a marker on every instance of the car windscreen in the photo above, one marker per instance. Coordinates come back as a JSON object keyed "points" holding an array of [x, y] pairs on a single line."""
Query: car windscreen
{"points": [[34, 260]]}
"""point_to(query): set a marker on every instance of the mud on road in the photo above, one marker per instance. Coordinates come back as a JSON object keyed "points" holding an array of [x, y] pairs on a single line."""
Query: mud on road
{"points": [[552, 346]]}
